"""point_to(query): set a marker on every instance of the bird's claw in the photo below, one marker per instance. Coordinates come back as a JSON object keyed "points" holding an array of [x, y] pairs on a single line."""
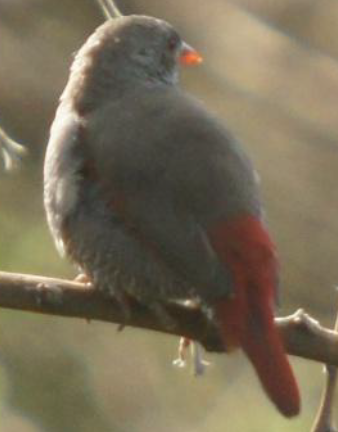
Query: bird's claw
{"points": [[84, 279], [199, 364], [180, 363]]}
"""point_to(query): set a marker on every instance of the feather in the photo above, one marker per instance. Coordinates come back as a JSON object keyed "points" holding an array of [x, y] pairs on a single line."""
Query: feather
{"points": [[246, 320]]}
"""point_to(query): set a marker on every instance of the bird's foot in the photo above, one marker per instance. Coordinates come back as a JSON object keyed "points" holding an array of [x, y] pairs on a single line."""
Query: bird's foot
{"points": [[199, 364], [181, 360], [84, 279]]}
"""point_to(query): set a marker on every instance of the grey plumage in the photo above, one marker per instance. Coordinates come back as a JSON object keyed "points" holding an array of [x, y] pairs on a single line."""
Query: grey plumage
{"points": [[152, 197], [136, 170]]}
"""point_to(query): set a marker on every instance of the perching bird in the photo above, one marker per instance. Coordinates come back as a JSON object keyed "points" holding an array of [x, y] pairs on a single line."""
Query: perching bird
{"points": [[149, 194]]}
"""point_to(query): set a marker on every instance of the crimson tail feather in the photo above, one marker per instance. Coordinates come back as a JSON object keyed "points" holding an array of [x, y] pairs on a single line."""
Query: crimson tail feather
{"points": [[265, 350], [246, 320], [266, 353]]}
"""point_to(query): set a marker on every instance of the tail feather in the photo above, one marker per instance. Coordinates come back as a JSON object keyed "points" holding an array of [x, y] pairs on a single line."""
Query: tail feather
{"points": [[263, 345], [246, 320], [266, 352]]}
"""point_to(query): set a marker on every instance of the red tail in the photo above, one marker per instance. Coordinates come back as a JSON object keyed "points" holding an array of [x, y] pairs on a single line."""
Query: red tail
{"points": [[246, 320]]}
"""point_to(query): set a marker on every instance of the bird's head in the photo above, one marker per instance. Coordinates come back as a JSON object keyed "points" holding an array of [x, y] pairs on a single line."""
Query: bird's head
{"points": [[142, 46], [131, 49]]}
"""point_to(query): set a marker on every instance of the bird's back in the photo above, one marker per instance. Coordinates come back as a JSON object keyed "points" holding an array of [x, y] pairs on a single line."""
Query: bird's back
{"points": [[163, 137]]}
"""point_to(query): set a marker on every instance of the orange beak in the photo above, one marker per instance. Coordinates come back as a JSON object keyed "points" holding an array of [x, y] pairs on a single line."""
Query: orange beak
{"points": [[189, 56]]}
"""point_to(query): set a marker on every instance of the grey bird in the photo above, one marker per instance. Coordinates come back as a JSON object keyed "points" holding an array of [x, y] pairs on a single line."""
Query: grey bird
{"points": [[149, 194]]}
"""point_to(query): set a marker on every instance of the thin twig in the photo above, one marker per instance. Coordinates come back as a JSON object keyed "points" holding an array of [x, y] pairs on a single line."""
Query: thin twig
{"points": [[303, 336], [11, 150], [109, 9]]}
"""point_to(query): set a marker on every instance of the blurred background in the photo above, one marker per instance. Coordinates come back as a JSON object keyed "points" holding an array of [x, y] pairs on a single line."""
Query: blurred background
{"points": [[271, 72]]}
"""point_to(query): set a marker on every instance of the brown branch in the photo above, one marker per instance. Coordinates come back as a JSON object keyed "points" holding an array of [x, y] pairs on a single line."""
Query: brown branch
{"points": [[324, 418], [302, 335]]}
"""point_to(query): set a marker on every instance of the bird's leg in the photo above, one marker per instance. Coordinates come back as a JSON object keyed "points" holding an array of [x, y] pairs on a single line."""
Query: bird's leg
{"points": [[182, 349], [199, 364]]}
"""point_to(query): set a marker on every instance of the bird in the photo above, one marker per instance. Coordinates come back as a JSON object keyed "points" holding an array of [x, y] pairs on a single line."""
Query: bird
{"points": [[154, 199]]}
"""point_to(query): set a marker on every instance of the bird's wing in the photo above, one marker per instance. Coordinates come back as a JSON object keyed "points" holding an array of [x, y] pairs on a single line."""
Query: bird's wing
{"points": [[179, 241], [176, 171]]}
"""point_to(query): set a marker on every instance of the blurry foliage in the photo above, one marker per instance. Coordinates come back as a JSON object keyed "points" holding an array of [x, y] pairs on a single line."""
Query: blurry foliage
{"points": [[271, 71]]}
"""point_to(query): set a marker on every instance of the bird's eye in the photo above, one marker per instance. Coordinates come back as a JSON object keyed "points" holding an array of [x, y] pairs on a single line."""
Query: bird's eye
{"points": [[173, 43]]}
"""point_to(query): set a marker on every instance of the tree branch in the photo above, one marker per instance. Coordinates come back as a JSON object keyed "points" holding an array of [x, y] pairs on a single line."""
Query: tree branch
{"points": [[302, 335], [324, 419]]}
